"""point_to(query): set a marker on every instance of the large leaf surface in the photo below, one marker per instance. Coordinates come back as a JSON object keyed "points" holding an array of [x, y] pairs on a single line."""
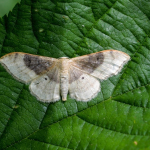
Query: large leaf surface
{"points": [[119, 117]]}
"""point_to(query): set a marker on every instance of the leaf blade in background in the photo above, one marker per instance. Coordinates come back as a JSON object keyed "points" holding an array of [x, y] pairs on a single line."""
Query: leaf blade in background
{"points": [[6, 6]]}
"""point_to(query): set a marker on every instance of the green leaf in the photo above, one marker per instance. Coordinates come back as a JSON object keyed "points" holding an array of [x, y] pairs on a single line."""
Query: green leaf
{"points": [[119, 117], [6, 6]]}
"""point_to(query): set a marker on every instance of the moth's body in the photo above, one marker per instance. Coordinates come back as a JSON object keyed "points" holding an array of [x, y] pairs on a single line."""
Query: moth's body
{"points": [[64, 77], [49, 77]]}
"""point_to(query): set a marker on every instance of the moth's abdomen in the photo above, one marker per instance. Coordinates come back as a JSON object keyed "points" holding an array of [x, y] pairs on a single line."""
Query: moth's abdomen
{"points": [[64, 86], [64, 78]]}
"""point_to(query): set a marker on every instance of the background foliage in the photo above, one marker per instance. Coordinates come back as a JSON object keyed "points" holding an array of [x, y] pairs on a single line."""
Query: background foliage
{"points": [[119, 117], [6, 6]]}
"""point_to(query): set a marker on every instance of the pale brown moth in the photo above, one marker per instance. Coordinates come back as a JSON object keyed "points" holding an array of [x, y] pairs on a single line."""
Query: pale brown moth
{"points": [[49, 77]]}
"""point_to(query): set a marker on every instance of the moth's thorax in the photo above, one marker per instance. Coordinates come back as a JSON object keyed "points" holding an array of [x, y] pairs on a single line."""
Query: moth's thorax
{"points": [[64, 65], [63, 57]]}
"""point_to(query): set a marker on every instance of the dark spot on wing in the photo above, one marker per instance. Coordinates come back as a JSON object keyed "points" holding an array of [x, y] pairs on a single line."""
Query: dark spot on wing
{"points": [[90, 62], [112, 54], [37, 64], [74, 74], [16, 55], [54, 75]]}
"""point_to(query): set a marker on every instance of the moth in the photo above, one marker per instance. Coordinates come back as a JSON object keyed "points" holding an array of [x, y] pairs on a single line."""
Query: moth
{"points": [[49, 77]]}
